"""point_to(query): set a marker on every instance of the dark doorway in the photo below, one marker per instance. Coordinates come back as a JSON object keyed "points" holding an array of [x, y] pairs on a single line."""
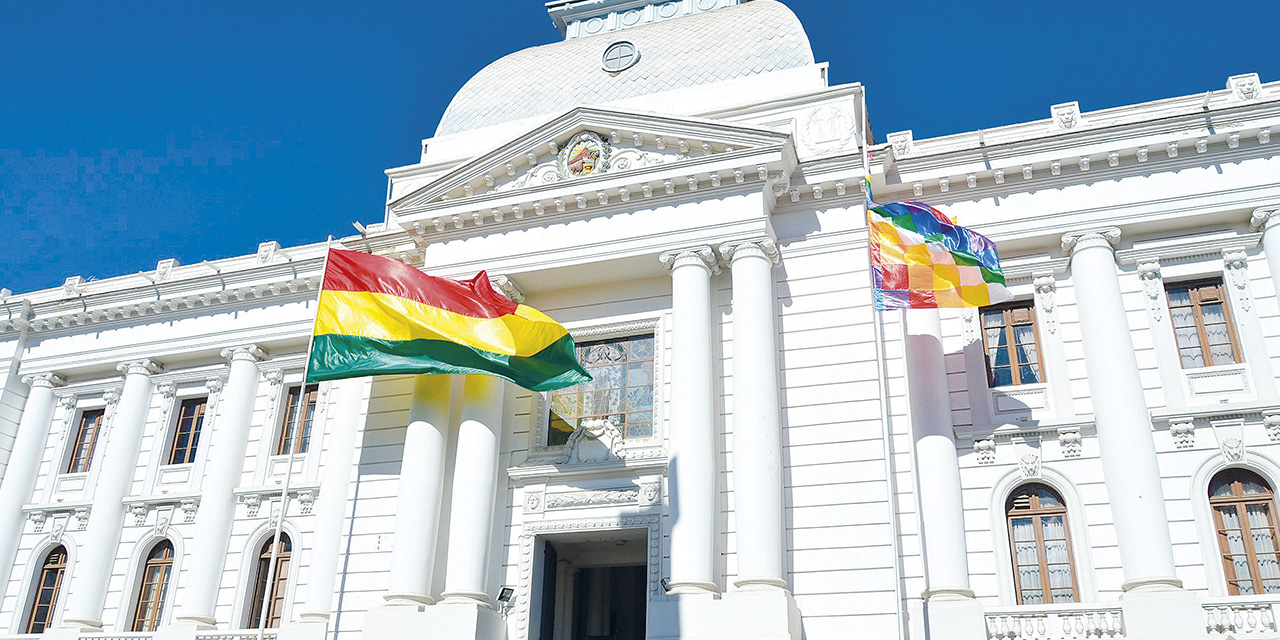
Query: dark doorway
{"points": [[593, 587], [609, 603]]}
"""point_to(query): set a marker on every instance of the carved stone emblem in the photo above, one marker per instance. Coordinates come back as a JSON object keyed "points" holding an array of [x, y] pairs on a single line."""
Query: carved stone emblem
{"points": [[827, 128], [900, 141], [1066, 115], [585, 154], [1233, 449], [649, 493], [533, 502], [1246, 86], [592, 441], [1030, 464]]}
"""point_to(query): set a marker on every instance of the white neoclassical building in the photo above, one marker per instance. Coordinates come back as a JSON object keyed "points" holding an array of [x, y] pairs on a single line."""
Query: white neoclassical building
{"points": [[760, 455]]}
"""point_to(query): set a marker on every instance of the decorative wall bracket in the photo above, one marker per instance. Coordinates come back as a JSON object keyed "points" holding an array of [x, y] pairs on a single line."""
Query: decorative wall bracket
{"points": [[1183, 431]]}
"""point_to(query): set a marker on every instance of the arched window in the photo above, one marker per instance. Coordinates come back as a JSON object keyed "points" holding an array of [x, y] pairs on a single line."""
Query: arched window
{"points": [[279, 580], [1244, 511], [1044, 570], [155, 584], [47, 585]]}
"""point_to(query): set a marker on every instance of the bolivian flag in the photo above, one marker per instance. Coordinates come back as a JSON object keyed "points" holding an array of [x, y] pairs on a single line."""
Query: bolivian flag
{"points": [[379, 316]]}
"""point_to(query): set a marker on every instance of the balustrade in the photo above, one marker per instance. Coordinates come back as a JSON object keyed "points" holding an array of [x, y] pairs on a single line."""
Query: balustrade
{"points": [[1055, 622], [1240, 617]]}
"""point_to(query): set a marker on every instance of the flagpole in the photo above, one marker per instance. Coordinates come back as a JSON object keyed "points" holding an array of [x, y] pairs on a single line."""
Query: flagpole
{"points": [[886, 433], [269, 587]]}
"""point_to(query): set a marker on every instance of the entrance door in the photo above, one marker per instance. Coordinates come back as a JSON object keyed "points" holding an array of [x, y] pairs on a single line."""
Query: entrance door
{"points": [[609, 603], [593, 588]]}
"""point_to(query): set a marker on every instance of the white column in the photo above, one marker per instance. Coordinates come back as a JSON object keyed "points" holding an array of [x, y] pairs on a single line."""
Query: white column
{"points": [[475, 484], [757, 431], [1129, 464], [421, 492], [92, 570], [217, 495], [330, 508], [691, 472], [1267, 220], [24, 465], [937, 464]]}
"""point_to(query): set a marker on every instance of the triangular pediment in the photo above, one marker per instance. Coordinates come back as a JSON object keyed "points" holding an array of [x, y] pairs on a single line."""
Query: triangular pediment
{"points": [[590, 146]]}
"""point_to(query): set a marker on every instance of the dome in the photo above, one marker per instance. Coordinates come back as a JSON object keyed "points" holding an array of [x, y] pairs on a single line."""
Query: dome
{"points": [[747, 39]]}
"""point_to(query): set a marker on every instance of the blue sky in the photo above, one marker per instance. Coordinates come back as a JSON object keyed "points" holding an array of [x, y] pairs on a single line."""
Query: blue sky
{"points": [[135, 131]]}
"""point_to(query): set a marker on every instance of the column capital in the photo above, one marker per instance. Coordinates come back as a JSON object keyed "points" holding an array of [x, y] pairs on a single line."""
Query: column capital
{"points": [[1264, 218], [756, 247], [1075, 240], [215, 383], [46, 380], [250, 352], [702, 256], [144, 367]]}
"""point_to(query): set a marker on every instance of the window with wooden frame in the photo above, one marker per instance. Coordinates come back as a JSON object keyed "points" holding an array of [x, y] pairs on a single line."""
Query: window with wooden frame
{"points": [[47, 586], [621, 390], [1202, 324], [279, 581], [1043, 566], [299, 414], [1244, 512], [186, 437], [86, 439], [1012, 344], [155, 585]]}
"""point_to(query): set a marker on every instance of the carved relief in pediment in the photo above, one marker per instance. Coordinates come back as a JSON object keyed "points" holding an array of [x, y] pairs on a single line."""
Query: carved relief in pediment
{"points": [[588, 154]]}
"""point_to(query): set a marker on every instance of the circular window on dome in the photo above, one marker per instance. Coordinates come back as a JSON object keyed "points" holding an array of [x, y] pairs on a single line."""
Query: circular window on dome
{"points": [[620, 56]]}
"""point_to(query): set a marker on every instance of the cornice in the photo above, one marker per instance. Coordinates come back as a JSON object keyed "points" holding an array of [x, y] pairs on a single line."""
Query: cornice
{"points": [[681, 193], [716, 175], [107, 309], [1194, 248]]}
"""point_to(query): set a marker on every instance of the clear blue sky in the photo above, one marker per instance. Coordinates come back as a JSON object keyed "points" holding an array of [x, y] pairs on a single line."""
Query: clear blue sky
{"points": [[134, 131]]}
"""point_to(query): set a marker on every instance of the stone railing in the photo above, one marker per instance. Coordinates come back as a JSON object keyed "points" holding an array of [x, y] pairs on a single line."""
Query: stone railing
{"points": [[234, 634], [1055, 622], [1240, 617]]}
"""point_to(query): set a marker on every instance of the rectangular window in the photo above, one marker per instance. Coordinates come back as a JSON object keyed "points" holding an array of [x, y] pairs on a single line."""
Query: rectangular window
{"points": [[299, 414], [1012, 346], [86, 440], [187, 437], [621, 390], [1202, 324]]}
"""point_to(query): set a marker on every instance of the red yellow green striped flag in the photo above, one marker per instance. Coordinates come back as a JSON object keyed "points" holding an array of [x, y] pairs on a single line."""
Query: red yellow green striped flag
{"points": [[379, 316]]}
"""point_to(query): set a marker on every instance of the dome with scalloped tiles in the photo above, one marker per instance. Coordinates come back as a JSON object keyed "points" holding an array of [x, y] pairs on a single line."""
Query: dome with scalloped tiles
{"points": [[732, 42]]}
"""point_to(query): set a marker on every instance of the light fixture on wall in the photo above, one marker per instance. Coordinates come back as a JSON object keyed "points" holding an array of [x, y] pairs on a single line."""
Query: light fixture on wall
{"points": [[666, 584], [504, 595]]}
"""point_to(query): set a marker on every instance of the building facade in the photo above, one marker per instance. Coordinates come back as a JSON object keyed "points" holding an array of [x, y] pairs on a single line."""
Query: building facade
{"points": [[760, 454]]}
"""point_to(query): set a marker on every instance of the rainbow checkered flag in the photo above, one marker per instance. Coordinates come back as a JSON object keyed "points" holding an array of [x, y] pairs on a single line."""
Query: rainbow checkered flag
{"points": [[920, 259]]}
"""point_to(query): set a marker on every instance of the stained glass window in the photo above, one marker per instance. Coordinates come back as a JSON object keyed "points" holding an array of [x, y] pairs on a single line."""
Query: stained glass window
{"points": [[621, 390]]}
